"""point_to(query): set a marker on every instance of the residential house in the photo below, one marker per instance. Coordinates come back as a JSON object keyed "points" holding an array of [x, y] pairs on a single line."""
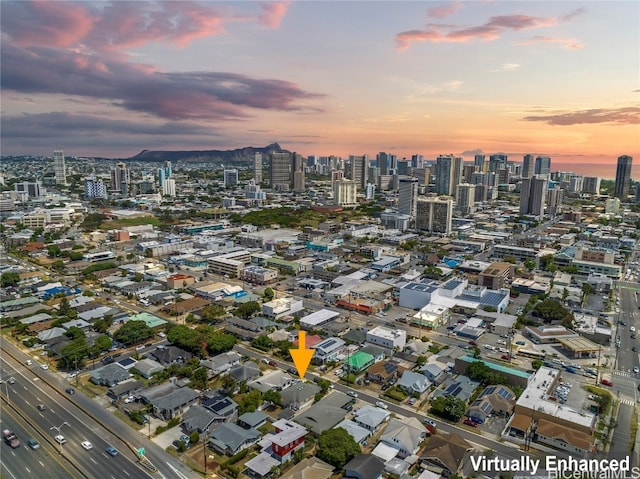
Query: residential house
{"points": [[364, 466], [197, 418], [299, 396], [405, 436], [358, 433], [223, 407], [245, 372], [328, 350], [109, 375], [230, 438], [148, 367], [275, 380], [414, 383], [309, 468], [285, 441], [221, 363], [565, 438], [325, 414], [125, 389], [461, 387], [170, 355], [371, 418], [52, 336], [434, 373], [174, 403], [493, 400], [261, 466], [445, 454], [252, 420], [384, 371]]}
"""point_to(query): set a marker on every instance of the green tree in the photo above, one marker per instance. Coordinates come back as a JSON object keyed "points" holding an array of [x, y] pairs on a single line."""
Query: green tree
{"points": [[421, 360], [54, 251], [101, 343], [537, 364], [73, 354], [262, 342], [64, 306], [194, 437], [10, 278], [58, 265], [199, 378], [187, 338], [268, 294], [133, 332], [530, 264], [337, 447], [282, 349], [249, 402], [247, 310], [510, 259], [213, 312], [75, 332], [552, 310], [448, 407], [272, 396]]}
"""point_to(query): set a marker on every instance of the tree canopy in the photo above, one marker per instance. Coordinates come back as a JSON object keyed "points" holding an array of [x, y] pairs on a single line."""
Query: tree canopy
{"points": [[133, 332], [552, 310], [337, 447], [247, 310], [200, 341], [448, 407]]}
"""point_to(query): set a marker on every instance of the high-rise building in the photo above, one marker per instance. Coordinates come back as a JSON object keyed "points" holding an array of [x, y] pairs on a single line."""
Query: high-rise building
{"points": [[358, 170], [623, 177], [230, 177], [169, 187], [167, 169], [382, 162], [59, 167], [542, 165], [467, 171], [280, 171], [448, 174], [121, 178], [497, 162], [161, 177], [533, 193], [33, 189], [252, 191], [576, 184], [298, 176], [417, 161], [344, 193], [465, 198], [407, 196], [94, 188], [528, 166], [257, 168], [591, 185], [554, 201], [478, 162], [612, 206], [370, 191], [335, 176], [434, 215], [503, 176], [403, 168]]}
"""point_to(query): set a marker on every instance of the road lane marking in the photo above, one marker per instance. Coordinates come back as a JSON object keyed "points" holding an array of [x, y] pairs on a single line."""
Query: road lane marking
{"points": [[41, 463], [28, 470], [93, 460], [25, 388], [126, 473]]}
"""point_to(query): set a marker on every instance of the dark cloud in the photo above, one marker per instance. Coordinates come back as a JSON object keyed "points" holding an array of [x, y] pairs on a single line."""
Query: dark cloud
{"points": [[175, 96], [628, 116]]}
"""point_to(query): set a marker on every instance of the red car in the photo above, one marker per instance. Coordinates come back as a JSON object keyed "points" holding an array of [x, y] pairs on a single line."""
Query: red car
{"points": [[473, 343], [505, 357], [606, 382], [469, 422]]}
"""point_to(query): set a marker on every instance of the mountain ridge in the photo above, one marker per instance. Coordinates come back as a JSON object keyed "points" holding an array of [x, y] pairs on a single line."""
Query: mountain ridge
{"points": [[196, 156]]}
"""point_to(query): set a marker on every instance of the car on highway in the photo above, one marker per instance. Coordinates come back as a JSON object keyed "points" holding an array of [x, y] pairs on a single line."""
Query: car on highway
{"points": [[33, 444], [60, 439], [11, 380], [41, 407], [112, 451], [473, 343], [86, 445], [44, 366], [70, 391], [29, 362]]}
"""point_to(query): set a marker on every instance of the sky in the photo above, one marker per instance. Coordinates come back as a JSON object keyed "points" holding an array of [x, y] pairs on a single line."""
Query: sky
{"points": [[110, 79]]}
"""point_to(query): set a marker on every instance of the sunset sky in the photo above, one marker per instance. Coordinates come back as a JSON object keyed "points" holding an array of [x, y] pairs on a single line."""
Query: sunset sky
{"points": [[350, 77]]}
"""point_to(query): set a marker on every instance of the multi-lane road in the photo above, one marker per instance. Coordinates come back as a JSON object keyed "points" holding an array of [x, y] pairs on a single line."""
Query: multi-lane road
{"points": [[85, 420]]}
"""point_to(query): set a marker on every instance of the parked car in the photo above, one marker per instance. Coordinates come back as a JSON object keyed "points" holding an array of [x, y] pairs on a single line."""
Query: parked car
{"points": [[471, 423], [473, 343], [382, 405], [520, 343]]}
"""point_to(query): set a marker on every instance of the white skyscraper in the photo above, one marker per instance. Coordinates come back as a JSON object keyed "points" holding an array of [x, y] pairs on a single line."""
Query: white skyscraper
{"points": [[344, 193], [257, 168], [370, 191], [59, 167], [94, 188], [407, 196], [465, 198], [169, 187]]}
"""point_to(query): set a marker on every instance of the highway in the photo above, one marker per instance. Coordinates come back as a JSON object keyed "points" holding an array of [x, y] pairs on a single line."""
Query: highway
{"points": [[27, 462], [87, 420]]}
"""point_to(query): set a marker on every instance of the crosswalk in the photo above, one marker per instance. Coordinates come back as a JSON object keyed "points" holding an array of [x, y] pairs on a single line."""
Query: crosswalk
{"points": [[626, 401], [624, 374]]}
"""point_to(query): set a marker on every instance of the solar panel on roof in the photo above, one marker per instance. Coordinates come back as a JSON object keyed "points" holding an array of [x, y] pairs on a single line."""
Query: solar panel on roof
{"points": [[389, 368], [221, 405]]}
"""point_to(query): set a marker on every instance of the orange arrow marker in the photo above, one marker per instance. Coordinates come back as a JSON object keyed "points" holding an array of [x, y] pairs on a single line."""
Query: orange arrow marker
{"points": [[301, 356]]}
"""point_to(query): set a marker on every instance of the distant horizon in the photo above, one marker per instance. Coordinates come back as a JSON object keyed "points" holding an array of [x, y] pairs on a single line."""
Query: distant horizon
{"points": [[109, 79]]}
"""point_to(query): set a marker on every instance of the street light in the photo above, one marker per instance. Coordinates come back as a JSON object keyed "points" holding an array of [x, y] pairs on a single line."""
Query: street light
{"points": [[204, 448], [57, 428]]}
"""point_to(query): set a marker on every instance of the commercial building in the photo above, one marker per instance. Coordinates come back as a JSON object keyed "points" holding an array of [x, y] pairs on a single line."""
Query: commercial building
{"points": [[259, 275], [497, 276], [278, 308], [33, 189], [59, 167], [344, 193], [408, 196], [230, 177], [542, 165], [532, 196], [357, 171], [318, 318], [280, 171], [591, 185], [121, 179], [448, 173], [257, 168], [528, 166], [94, 188], [465, 198], [387, 338]]}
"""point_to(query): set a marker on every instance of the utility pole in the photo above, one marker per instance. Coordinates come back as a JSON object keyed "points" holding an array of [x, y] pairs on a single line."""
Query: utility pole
{"points": [[204, 449]]}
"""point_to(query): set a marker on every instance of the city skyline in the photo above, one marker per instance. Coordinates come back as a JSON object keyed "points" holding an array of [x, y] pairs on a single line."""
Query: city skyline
{"points": [[430, 78]]}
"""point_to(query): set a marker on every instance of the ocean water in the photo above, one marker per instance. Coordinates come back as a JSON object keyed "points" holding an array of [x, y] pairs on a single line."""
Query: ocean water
{"points": [[603, 170]]}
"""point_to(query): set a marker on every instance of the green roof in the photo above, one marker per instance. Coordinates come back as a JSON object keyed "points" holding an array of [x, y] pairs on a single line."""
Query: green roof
{"points": [[359, 360], [13, 303], [149, 319], [497, 367]]}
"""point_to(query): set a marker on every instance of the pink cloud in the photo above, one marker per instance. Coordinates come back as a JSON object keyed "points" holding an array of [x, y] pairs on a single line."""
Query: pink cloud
{"points": [[488, 31], [626, 116], [273, 13], [570, 43], [442, 11]]}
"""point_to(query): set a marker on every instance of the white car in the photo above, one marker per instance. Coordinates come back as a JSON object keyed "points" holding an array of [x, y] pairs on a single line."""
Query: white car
{"points": [[29, 362], [502, 342], [44, 366], [632, 329], [636, 370], [353, 394], [86, 445], [382, 405], [60, 439]]}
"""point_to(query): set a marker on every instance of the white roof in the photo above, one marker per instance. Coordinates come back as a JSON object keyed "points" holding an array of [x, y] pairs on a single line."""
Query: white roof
{"points": [[319, 317], [384, 452]]}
